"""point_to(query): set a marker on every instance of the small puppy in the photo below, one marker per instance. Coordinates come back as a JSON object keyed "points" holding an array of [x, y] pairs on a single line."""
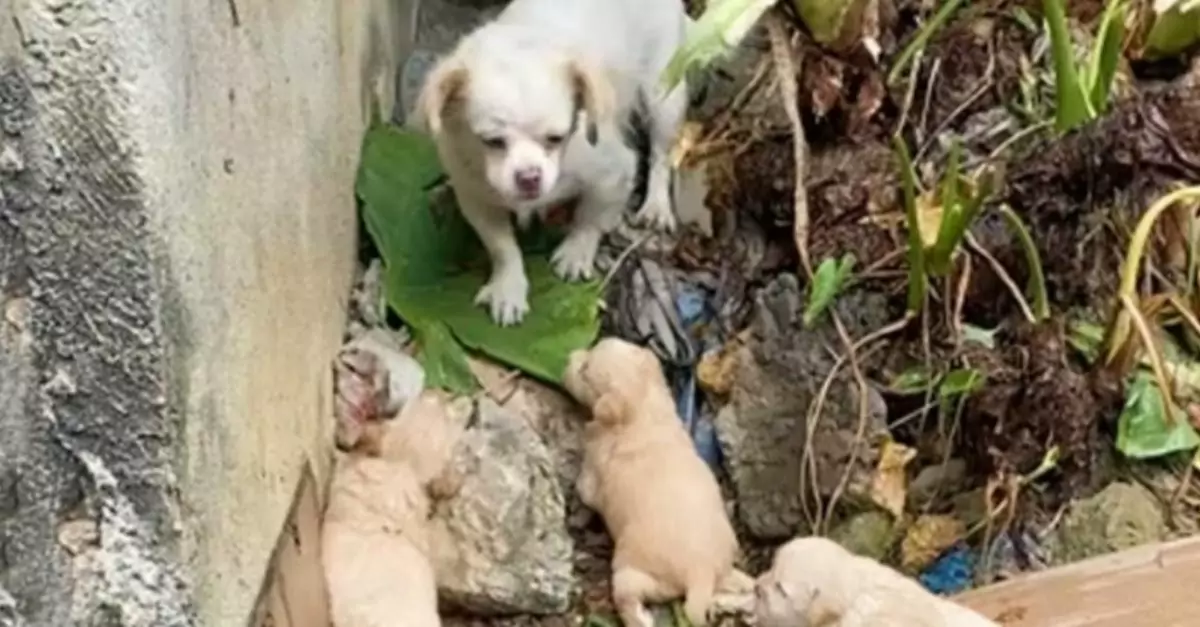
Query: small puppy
{"points": [[529, 113], [376, 538], [815, 582], [658, 499]]}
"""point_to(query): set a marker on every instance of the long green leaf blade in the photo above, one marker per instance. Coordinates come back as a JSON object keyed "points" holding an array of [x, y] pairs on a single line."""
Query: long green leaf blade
{"points": [[1072, 104]]}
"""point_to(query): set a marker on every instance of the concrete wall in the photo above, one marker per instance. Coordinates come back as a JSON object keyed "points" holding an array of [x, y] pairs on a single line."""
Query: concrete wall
{"points": [[176, 246]]}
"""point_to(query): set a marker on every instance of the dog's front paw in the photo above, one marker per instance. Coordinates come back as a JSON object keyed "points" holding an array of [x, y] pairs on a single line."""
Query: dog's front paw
{"points": [[507, 297], [656, 213], [575, 258]]}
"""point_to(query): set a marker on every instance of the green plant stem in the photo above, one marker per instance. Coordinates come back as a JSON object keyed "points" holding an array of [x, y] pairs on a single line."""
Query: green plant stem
{"points": [[1072, 107], [1037, 278], [917, 279], [1118, 330]]}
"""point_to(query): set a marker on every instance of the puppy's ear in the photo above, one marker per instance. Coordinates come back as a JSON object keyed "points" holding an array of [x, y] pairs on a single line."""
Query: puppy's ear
{"points": [[443, 88], [609, 410], [593, 94]]}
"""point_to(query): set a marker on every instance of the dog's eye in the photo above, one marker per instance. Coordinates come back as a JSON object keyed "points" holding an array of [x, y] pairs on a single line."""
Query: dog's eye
{"points": [[555, 140], [495, 143]]}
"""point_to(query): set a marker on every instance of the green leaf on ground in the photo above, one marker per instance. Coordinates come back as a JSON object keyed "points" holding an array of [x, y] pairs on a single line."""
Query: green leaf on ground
{"points": [[828, 281], [915, 380], [981, 336], [961, 382], [434, 265], [1144, 430]]}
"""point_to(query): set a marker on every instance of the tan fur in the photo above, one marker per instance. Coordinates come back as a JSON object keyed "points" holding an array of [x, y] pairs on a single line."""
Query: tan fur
{"points": [[659, 500], [815, 582], [443, 87], [376, 535], [595, 93]]}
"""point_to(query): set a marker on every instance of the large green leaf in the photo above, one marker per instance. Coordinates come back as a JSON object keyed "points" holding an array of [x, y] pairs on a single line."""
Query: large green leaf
{"points": [[434, 265], [1176, 28], [717, 32], [1144, 430]]}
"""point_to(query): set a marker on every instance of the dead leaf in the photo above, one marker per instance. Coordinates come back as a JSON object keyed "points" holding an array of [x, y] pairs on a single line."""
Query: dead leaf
{"points": [[889, 486], [717, 370], [927, 539], [685, 144]]}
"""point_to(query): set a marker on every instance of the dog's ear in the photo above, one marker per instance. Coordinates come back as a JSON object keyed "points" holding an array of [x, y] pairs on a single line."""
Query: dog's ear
{"points": [[593, 93], [610, 409], [442, 89]]}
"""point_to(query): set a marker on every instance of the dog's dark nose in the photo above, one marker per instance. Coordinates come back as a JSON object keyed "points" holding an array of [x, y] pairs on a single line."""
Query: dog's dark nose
{"points": [[529, 181]]}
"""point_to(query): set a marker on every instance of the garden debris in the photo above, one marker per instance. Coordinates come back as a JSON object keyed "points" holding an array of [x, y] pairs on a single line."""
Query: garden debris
{"points": [[889, 488], [1071, 191], [434, 265], [1121, 516], [509, 511], [1036, 394], [952, 573], [779, 472], [927, 539], [870, 534]]}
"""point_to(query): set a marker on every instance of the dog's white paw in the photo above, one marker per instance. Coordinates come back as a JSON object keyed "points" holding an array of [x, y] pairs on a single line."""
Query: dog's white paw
{"points": [[656, 213], [507, 297], [575, 258]]}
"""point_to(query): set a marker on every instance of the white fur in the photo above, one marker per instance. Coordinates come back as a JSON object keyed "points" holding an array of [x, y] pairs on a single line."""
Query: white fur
{"points": [[815, 582], [497, 104]]}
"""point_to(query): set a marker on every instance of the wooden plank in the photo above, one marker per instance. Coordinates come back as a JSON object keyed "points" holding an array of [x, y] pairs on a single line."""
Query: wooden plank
{"points": [[1150, 586]]}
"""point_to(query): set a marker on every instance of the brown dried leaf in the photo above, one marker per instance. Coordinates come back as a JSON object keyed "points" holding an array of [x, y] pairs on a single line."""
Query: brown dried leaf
{"points": [[927, 539], [889, 486]]}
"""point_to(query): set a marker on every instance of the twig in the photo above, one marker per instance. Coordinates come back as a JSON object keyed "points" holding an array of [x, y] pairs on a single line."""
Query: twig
{"points": [[786, 70], [620, 260], [934, 74], [863, 411], [1005, 278], [910, 94], [960, 300]]}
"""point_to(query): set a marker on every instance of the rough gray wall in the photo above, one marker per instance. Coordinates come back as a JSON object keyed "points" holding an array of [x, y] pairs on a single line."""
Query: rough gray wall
{"points": [[176, 240], [83, 352]]}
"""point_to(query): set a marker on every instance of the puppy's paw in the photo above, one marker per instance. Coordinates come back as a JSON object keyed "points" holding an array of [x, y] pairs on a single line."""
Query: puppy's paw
{"points": [[656, 213], [575, 258], [507, 297]]}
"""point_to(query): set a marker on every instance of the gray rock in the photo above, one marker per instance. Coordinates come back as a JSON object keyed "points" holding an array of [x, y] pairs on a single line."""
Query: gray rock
{"points": [[1120, 517], [938, 480], [505, 547], [763, 429]]}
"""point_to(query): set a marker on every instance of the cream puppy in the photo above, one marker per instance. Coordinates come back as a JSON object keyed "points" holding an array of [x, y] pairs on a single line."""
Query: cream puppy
{"points": [[658, 499], [529, 112], [376, 538], [815, 582]]}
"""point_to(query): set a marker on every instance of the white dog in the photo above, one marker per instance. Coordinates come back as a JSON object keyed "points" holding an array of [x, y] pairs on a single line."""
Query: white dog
{"points": [[814, 582], [530, 112]]}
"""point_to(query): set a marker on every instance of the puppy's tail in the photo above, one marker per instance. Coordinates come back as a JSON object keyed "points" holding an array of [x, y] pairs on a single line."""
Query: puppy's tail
{"points": [[700, 592]]}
